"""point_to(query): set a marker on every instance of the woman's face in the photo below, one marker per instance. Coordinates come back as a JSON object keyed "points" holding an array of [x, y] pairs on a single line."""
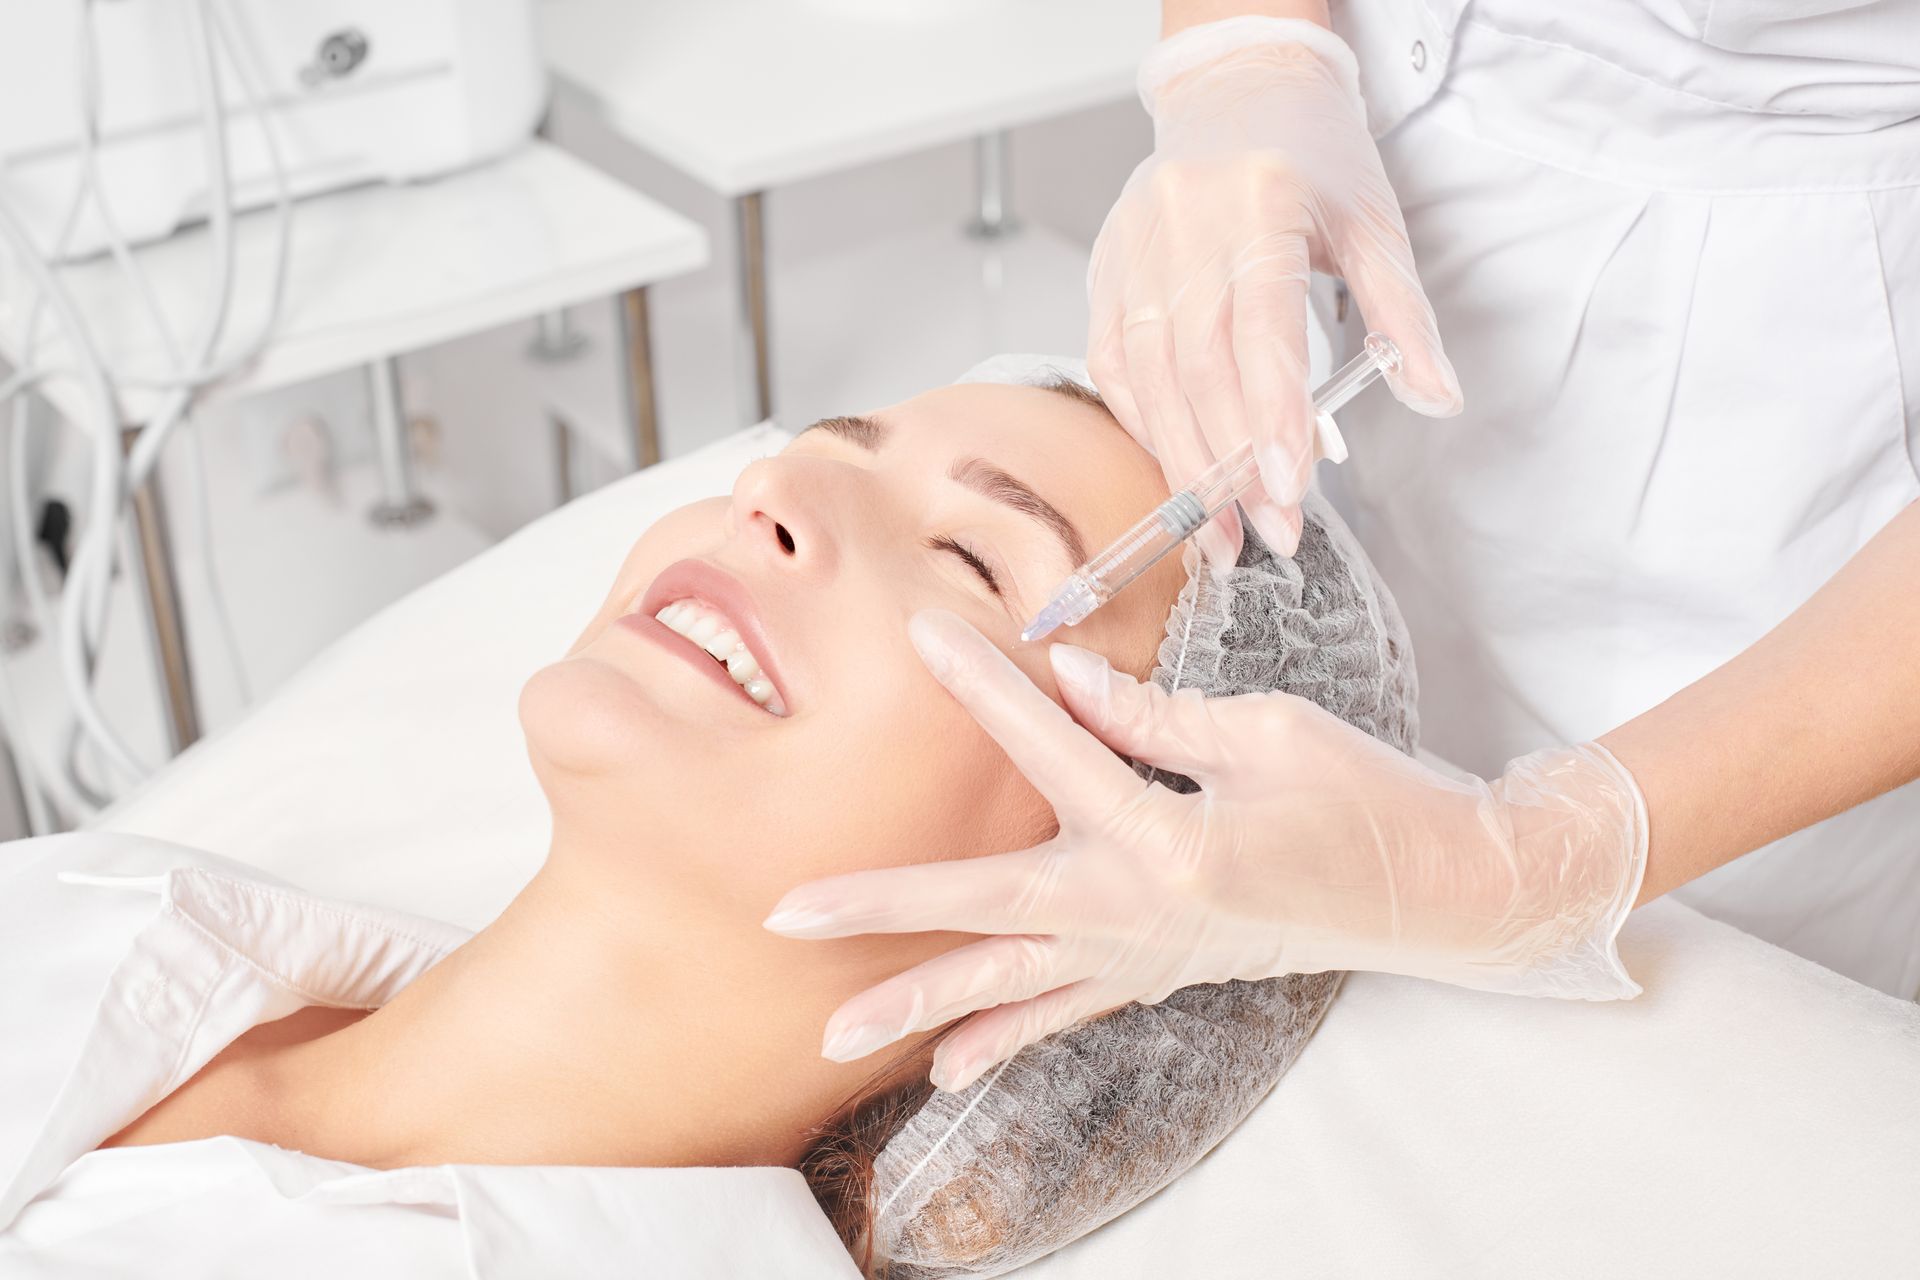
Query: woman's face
{"points": [[978, 499]]}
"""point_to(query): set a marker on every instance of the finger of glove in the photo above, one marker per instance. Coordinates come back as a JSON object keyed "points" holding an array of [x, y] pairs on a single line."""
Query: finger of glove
{"points": [[1110, 276], [1220, 540], [1279, 527], [1378, 266], [1017, 892], [1270, 349], [980, 975], [1107, 366], [1203, 354], [1175, 732], [990, 1038], [1181, 446], [1065, 764], [1211, 383]]}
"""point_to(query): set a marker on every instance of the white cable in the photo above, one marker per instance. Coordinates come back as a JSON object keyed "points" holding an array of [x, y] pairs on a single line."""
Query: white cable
{"points": [[85, 798], [199, 503], [26, 379], [98, 418], [198, 507], [66, 636], [30, 340], [257, 106], [90, 181], [153, 435], [85, 603], [40, 820], [38, 608], [43, 777]]}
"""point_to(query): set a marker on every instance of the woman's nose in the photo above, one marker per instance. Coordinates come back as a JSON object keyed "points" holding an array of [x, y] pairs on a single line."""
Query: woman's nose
{"points": [[785, 509]]}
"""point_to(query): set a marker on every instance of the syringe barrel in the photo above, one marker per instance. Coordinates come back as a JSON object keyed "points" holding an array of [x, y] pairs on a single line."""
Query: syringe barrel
{"points": [[1234, 474], [1176, 519], [1139, 548]]}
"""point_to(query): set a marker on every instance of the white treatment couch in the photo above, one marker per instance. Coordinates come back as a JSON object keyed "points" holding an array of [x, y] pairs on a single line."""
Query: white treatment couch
{"points": [[1751, 1114]]}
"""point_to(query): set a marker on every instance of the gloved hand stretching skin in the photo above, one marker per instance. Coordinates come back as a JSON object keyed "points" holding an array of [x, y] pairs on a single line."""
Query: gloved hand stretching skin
{"points": [[1262, 169], [1309, 847]]}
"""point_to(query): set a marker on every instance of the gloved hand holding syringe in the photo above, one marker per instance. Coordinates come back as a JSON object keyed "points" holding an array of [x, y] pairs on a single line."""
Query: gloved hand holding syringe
{"points": [[1187, 511], [1309, 846]]}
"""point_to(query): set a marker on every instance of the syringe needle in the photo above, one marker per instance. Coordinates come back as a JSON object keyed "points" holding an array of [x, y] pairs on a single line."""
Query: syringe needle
{"points": [[1070, 604], [1045, 622]]}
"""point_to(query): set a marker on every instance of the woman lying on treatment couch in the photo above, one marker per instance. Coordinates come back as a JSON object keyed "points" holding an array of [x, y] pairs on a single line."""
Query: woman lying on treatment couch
{"points": [[745, 712]]}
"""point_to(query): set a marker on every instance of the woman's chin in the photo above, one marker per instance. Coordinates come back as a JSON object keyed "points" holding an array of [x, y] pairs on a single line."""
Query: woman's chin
{"points": [[583, 717]]}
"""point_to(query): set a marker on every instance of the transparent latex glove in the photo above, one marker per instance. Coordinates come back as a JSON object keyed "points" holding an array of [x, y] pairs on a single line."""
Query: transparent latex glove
{"points": [[1262, 169], [1309, 847]]}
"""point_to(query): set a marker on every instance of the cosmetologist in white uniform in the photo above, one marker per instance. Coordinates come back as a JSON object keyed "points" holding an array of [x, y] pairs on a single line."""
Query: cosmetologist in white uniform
{"points": [[1674, 250], [1662, 506]]}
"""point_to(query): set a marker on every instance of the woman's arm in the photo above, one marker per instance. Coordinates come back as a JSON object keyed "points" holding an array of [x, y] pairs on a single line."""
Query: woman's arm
{"points": [[1178, 15], [1821, 713]]}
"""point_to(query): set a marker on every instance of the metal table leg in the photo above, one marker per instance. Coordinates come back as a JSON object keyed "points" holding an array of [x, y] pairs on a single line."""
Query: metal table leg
{"points": [[755, 377], [643, 412], [401, 504], [992, 178], [562, 437], [152, 566]]}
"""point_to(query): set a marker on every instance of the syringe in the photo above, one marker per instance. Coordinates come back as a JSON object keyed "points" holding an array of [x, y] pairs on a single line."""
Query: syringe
{"points": [[1180, 516]]}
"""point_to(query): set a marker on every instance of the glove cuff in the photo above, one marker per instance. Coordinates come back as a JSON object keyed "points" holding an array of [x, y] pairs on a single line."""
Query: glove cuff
{"points": [[1197, 46], [1581, 832]]}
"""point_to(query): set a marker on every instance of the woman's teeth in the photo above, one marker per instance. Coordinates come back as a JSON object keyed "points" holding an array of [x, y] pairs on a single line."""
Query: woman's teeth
{"points": [[711, 632]]}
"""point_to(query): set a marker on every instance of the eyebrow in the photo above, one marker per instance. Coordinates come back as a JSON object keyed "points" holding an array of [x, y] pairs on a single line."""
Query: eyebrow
{"points": [[977, 474], [868, 433], [991, 482]]}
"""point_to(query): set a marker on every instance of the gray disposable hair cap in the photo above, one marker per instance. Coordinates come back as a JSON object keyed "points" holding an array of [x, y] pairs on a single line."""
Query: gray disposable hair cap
{"points": [[1086, 1124]]}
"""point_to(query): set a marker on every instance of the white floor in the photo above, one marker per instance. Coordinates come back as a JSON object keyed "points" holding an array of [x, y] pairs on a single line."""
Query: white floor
{"points": [[876, 292]]}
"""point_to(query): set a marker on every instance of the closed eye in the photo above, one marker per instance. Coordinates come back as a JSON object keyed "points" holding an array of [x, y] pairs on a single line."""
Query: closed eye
{"points": [[967, 555]]}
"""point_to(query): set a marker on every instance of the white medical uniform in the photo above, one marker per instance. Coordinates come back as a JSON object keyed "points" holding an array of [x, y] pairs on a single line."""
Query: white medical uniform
{"points": [[1674, 248], [126, 964]]}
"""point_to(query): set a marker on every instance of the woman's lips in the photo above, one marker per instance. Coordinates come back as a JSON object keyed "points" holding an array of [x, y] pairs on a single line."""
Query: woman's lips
{"points": [[715, 634], [707, 617], [653, 629]]}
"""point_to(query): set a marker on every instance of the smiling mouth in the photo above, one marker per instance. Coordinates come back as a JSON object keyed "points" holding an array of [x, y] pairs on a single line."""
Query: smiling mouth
{"points": [[708, 630]]}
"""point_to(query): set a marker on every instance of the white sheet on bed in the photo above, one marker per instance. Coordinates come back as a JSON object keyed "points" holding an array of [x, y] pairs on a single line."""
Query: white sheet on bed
{"points": [[1751, 1114]]}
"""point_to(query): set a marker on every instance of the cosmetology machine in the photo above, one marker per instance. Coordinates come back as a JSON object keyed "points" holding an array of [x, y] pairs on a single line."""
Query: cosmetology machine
{"points": [[358, 90], [122, 121]]}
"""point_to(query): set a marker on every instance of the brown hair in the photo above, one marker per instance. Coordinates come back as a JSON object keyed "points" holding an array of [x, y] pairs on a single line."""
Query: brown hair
{"points": [[838, 1164]]}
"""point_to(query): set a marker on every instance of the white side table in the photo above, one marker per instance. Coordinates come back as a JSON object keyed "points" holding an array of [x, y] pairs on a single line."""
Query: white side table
{"points": [[745, 95], [375, 272]]}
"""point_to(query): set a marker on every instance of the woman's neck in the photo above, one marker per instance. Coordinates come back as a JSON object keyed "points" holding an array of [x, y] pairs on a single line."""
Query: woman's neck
{"points": [[577, 1029]]}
